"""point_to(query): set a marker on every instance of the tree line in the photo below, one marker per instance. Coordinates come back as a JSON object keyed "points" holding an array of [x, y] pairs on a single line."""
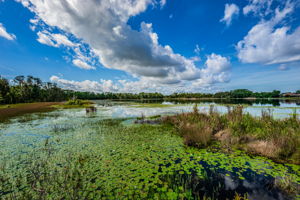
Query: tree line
{"points": [[31, 89]]}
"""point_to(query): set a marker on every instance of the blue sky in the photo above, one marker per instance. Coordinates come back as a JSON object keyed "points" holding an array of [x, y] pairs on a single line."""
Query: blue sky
{"points": [[153, 45]]}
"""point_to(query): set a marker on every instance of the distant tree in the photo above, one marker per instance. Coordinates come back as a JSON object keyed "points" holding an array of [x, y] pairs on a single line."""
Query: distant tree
{"points": [[275, 94], [241, 93], [298, 91], [4, 89], [30, 80], [19, 80]]}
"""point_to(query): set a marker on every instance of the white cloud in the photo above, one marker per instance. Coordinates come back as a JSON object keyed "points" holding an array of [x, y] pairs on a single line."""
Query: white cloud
{"points": [[102, 27], [197, 49], [258, 7], [45, 39], [216, 70], [269, 42], [54, 40], [163, 3], [136, 52], [87, 85], [81, 64], [231, 10], [283, 67], [62, 40], [142, 85], [5, 34]]}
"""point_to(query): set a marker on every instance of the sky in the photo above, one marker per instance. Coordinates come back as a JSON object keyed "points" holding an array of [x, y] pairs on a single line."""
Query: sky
{"points": [[162, 46]]}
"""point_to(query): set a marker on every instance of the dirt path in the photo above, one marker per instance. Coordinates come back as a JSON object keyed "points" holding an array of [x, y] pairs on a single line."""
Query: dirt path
{"points": [[21, 109]]}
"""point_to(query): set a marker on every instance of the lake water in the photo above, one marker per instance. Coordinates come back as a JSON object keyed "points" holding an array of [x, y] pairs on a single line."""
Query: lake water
{"points": [[76, 130]]}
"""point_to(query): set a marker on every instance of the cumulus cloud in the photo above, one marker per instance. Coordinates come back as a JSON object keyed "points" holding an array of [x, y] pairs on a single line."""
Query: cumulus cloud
{"points": [[87, 85], [54, 40], [163, 3], [5, 34], [216, 70], [269, 42], [197, 49], [258, 7], [283, 67], [231, 11], [101, 27], [82, 64]]}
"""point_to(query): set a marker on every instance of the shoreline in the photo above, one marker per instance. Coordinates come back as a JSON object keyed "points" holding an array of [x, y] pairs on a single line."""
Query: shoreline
{"points": [[13, 110]]}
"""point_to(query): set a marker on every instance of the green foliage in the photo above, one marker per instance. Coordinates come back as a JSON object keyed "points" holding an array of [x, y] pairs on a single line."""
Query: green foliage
{"points": [[282, 135], [75, 102], [111, 161], [241, 93], [30, 89]]}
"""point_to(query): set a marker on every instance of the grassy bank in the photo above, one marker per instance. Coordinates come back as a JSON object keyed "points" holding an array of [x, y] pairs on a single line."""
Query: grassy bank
{"points": [[76, 103], [278, 139], [13, 110]]}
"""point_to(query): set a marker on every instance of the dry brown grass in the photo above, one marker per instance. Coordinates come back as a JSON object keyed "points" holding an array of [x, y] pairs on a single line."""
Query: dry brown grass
{"points": [[21, 109], [265, 148], [196, 136], [266, 136]]}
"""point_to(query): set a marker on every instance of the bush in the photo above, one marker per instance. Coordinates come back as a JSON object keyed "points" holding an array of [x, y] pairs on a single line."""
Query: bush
{"points": [[75, 102], [195, 135], [274, 138]]}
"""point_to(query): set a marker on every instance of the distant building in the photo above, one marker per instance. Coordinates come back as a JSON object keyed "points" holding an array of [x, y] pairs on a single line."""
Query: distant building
{"points": [[290, 94]]}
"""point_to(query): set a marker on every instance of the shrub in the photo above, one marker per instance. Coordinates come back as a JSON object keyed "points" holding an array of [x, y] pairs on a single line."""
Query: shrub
{"points": [[274, 138], [75, 102], [195, 135]]}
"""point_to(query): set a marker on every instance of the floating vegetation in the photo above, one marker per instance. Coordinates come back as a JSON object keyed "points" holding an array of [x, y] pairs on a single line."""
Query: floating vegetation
{"points": [[59, 128], [66, 155]]}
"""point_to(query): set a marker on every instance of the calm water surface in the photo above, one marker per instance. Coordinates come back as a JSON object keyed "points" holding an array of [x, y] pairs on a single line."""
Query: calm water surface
{"points": [[22, 134]]}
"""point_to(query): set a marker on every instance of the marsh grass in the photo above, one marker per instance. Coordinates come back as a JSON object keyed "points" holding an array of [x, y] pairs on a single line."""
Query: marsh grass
{"points": [[94, 168], [106, 160], [275, 138], [74, 103], [60, 128]]}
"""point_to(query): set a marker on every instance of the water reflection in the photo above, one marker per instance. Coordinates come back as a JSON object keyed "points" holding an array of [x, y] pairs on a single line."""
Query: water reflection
{"points": [[250, 102]]}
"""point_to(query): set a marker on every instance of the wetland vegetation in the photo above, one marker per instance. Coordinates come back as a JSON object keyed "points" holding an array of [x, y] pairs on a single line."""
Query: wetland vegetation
{"points": [[71, 154], [31, 89], [278, 139]]}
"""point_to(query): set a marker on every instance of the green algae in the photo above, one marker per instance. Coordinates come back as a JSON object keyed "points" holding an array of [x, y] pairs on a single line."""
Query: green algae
{"points": [[107, 160], [75, 156]]}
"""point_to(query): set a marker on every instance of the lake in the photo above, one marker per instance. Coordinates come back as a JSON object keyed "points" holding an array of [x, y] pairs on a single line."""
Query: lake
{"points": [[105, 155]]}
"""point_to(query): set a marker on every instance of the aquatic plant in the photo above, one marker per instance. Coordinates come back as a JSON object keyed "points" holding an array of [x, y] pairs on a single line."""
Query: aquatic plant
{"points": [[75, 102], [275, 138], [104, 159]]}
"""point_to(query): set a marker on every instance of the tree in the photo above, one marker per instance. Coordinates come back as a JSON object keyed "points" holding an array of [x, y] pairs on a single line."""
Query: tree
{"points": [[19, 80], [298, 91], [1, 99], [241, 93], [4, 89]]}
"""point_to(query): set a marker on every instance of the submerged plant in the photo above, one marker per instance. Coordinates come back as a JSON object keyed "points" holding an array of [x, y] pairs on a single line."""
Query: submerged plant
{"points": [[102, 159]]}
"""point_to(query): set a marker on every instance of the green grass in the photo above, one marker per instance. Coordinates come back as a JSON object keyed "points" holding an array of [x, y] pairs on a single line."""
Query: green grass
{"points": [[106, 160], [152, 105], [278, 139], [77, 103], [14, 105]]}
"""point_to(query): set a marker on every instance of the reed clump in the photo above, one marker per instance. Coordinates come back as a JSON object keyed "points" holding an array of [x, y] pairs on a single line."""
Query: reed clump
{"points": [[75, 102], [278, 139]]}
